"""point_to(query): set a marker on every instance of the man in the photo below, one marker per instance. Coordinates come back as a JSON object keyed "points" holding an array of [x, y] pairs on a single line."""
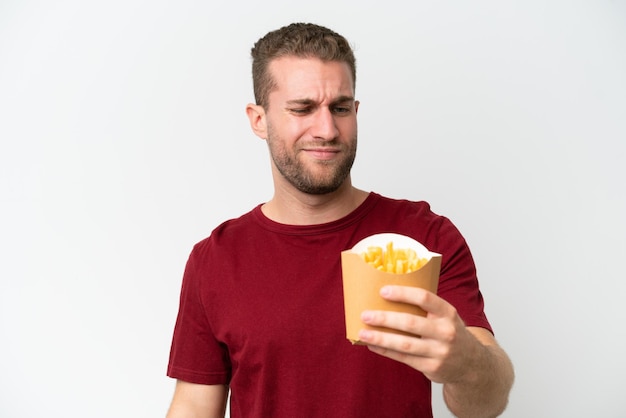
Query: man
{"points": [[261, 310]]}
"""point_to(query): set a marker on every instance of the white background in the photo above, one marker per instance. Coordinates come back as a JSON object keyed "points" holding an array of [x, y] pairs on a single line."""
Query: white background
{"points": [[124, 141]]}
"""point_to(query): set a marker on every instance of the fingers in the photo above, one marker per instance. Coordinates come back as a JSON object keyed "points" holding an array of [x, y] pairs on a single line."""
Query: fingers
{"points": [[435, 344], [395, 342], [426, 300], [419, 353], [412, 324], [440, 329], [426, 334], [393, 346]]}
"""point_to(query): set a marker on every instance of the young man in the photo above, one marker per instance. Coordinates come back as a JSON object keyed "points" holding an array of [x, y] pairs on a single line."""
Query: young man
{"points": [[261, 309]]}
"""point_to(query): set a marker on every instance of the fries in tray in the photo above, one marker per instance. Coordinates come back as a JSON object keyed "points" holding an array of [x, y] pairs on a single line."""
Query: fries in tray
{"points": [[380, 260], [392, 260]]}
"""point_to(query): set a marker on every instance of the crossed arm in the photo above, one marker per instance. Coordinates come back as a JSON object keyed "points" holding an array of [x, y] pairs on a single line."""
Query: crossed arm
{"points": [[476, 373]]}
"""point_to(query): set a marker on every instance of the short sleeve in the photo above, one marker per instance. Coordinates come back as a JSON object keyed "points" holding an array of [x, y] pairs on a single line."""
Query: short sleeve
{"points": [[195, 355], [458, 282]]}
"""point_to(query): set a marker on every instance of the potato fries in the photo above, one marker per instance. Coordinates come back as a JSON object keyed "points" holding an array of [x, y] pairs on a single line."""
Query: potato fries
{"points": [[393, 260]]}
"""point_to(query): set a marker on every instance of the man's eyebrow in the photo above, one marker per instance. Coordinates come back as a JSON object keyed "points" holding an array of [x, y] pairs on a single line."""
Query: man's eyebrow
{"points": [[308, 102], [343, 99], [300, 102]]}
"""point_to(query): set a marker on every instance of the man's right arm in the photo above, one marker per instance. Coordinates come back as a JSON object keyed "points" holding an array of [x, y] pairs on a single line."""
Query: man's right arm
{"points": [[192, 400]]}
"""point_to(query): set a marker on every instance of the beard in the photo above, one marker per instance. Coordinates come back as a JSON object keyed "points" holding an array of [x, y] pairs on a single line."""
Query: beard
{"points": [[316, 177]]}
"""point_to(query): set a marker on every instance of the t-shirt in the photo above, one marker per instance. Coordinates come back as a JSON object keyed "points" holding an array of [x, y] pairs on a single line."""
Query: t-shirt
{"points": [[261, 310]]}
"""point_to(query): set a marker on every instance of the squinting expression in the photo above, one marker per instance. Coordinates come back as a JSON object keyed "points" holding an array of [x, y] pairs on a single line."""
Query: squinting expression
{"points": [[311, 123]]}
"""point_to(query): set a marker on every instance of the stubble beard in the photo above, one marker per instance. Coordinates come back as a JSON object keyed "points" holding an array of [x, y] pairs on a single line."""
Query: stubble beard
{"points": [[305, 179]]}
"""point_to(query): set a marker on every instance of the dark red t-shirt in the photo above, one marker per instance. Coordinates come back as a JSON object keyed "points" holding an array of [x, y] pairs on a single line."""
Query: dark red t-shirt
{"points": [[261, 310]]}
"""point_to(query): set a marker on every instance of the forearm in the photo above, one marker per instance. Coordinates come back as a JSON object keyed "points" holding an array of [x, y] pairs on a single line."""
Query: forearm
{"points": [[198, 401], [483, 392], [178, 410]]}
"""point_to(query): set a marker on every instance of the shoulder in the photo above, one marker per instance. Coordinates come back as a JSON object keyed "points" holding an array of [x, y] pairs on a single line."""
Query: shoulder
{"points": [[417, 219], [387, 201], [404, 208], [227, 232]]}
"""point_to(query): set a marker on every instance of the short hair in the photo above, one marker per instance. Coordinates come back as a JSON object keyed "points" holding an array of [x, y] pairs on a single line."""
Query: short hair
{"points": [[305, 40]]}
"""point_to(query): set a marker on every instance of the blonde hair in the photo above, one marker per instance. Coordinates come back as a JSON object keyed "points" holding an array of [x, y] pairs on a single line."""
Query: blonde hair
{"points": [[305, 40]]}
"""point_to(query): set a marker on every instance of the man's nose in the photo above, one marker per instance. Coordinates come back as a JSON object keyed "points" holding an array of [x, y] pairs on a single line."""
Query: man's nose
{"points": [[324, 125]]}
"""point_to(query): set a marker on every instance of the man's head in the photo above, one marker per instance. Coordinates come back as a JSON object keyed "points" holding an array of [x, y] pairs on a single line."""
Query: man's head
{"points": [[306, 110], [303, 40]]}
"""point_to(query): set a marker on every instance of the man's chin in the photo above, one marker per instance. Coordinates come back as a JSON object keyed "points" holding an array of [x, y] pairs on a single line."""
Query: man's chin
{"points": [[319, 188]]}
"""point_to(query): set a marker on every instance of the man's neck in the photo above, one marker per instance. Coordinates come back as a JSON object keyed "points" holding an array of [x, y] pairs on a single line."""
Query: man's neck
{"points": [[296, 208]]}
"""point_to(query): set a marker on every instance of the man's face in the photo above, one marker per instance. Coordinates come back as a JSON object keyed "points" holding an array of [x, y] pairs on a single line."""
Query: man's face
{"points": [[311, 123]]}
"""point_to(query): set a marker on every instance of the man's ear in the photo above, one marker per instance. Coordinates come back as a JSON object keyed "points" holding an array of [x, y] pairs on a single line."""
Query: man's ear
{"points": [[258, 123], [356, 106]]}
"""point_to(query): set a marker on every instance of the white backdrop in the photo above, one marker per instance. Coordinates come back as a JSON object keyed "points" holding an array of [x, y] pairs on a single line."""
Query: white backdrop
{"points": [[124, 141]]}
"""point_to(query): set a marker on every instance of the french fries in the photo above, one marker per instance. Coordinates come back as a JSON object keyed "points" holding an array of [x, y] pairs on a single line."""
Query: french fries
{"points": [[393, 260]]}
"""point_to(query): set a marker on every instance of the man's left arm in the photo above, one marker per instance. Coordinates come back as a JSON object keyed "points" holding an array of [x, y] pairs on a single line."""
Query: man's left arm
{"points": [[476, 373]]}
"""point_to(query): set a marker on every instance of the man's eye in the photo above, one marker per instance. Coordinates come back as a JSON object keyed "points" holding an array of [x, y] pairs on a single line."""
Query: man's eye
{"points": [[300, 110], [341, 110]]}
